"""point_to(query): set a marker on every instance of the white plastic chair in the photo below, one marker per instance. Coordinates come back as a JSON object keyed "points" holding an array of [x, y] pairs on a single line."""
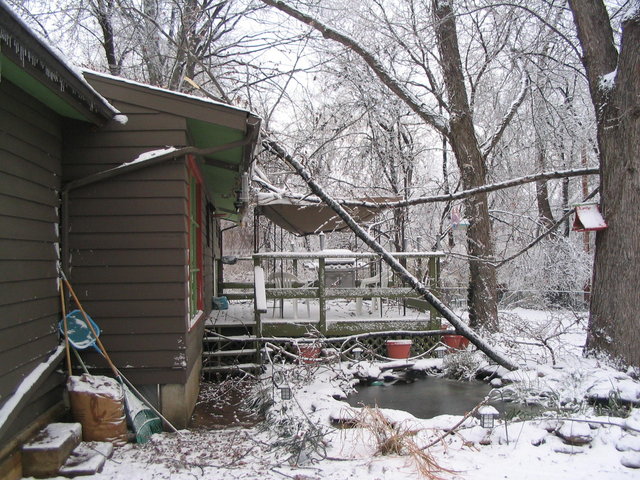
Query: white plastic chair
{"points": [[287, 280], [375, 302]]}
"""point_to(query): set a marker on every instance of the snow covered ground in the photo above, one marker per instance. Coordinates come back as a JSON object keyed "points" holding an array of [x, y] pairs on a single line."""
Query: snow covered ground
{"points": [[571, 439]]}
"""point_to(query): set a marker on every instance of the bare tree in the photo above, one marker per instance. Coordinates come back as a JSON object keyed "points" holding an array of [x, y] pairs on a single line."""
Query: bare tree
{"points": [[458, 128], [614, 84]]}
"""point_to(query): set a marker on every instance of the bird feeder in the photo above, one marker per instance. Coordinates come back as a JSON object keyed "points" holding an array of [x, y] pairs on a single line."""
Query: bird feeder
{"points": [[488, 416], [440, 351], [458, 222], [588, 218]]}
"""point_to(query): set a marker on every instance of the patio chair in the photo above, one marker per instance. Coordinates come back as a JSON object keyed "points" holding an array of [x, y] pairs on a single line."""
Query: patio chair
{"points": [[367, 282], [287, 280]]}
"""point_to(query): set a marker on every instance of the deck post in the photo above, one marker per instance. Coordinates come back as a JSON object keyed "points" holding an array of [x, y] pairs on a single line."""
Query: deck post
{"points": [[322, 320], [259, 305], [434, 283]]}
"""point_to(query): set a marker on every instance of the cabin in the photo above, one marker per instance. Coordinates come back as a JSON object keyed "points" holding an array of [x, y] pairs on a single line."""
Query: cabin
{"points": [[39, 94], [143, 198], [122, 186]]}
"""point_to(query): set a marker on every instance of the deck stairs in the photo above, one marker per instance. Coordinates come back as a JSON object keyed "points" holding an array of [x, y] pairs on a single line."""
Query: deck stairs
{"points": [[229, 350]]}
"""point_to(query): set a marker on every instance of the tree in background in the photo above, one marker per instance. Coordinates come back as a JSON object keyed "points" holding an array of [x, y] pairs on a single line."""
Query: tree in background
{"points": [[614, 83], [454, 78]]}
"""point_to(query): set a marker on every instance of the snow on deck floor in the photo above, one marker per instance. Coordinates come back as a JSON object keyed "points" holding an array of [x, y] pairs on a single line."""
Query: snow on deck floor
{"points": [[241, 313]]}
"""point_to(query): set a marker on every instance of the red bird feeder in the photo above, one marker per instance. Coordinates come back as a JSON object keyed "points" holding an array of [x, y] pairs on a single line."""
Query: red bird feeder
{"points": [[588, 218]]}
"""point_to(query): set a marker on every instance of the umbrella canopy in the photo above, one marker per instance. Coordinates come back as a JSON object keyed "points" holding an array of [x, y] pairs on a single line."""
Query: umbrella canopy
{"points": [[303, 217]]}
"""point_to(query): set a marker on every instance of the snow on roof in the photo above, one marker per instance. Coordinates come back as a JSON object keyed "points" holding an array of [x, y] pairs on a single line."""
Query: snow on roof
{"points": [[588, 217], [26, 54], [164, 90]]}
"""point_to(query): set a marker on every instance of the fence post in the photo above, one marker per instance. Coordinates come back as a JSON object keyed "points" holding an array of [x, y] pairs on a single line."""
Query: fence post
{"points": [[259, 305], [322, 321], [434, 283]]}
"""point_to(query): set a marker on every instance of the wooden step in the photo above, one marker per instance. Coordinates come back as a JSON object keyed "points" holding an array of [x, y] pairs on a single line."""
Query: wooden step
{"points": [[245, 367], [230, 353], [43, 455], [88, 458]]}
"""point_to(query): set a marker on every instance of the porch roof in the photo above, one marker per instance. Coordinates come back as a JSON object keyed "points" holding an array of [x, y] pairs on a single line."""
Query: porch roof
{"points": [[304, 217]]}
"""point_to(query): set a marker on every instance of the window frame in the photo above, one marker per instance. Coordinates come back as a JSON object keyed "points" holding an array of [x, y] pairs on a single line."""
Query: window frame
{"points": [[195, 273]]}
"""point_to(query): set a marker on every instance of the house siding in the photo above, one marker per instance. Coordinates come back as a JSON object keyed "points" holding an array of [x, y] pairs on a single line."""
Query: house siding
{"points": [[128, 245], [128, 267], [30, 172]]}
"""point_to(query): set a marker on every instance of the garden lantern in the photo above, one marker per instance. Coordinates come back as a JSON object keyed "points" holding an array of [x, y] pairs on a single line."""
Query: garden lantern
{"points": [[285, 392], [357, 354], [440, 351], [280, 383], [488, 415]]}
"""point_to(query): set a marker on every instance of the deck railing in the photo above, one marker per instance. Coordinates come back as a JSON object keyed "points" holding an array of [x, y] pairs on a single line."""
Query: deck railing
{"points": [[424, 264]]}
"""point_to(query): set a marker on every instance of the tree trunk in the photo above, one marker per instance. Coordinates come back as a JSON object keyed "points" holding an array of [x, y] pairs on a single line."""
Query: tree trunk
{"points": [[482, 302], [104, 14], [545, 215], [613, 322]]}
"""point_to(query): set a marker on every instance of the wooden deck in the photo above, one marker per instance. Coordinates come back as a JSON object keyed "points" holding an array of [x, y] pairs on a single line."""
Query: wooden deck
{"points": [[341, 318], [342, 304]]}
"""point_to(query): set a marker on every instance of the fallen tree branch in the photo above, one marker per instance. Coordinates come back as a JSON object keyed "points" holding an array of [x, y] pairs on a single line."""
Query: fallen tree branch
{"points": [[448, 197], [461, 327], [451, 430]]}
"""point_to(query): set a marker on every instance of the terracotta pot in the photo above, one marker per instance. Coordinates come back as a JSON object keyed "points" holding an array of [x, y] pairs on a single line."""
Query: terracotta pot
{"points": [[309, 352], [398, 348], [457, 342]]}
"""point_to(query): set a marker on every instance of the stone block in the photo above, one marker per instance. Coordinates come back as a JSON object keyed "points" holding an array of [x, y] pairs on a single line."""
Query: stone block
{"points": [[88, 458], [45, 453]]}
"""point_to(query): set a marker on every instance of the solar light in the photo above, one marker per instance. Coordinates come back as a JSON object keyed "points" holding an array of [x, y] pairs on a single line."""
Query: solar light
{"points": [[488, 415], [357, 353], [440, 351], [285, 393]]}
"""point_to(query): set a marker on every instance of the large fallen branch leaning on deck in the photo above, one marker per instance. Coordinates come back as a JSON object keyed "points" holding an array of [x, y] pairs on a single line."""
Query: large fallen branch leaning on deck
{"points": [[460, 326]]}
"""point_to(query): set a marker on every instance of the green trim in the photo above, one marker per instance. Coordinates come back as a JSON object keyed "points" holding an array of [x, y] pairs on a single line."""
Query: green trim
{"points": [[18, 76], [206, 135], [222, 183]]}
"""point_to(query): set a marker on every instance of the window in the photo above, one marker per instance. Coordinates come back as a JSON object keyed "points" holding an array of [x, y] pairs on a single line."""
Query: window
{"points": [[196, 287]]}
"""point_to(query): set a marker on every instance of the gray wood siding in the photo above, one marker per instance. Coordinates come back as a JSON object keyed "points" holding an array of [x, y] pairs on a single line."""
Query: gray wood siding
{"points": [[129, 239], [128, 243], [30, 172], [94, 151]]}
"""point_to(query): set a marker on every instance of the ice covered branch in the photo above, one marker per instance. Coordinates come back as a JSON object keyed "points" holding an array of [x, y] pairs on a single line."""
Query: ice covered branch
{"points": [[497, 135], [427, 115], [553, 227], [460, 326], [514, 182]]}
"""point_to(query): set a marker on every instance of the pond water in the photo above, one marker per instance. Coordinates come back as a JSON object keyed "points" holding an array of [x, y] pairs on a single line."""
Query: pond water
{"points": [[429, 397]]}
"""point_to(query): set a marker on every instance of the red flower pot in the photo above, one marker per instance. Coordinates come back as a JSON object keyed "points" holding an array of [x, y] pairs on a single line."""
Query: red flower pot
{"points": [[457, 342], [398, 348], [309, 352]]}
